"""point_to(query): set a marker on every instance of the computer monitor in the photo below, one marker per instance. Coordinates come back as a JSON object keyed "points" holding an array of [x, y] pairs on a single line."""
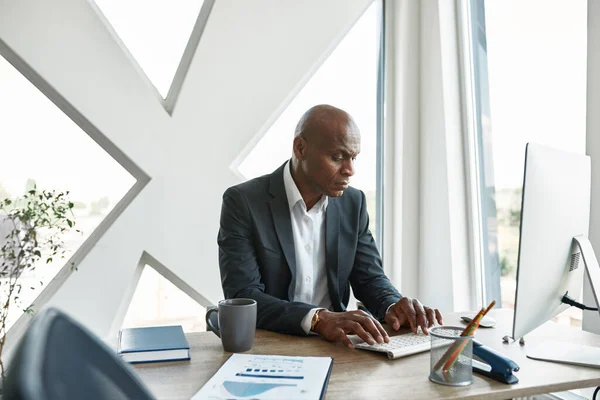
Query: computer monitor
{"points": [[553, 247]]}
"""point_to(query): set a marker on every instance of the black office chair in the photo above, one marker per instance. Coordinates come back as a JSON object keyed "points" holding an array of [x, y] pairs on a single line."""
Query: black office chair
{"points": [[60, 359]]}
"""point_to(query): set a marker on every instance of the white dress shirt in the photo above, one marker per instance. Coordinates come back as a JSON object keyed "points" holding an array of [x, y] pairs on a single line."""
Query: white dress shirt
{"points": [[308, 228]]}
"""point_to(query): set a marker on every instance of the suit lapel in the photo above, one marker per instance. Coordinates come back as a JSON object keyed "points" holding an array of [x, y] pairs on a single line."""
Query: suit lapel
{"points": [[332, 234], [280, 211]]}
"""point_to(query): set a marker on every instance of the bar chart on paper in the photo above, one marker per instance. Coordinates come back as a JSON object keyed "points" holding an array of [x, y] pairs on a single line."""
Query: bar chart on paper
{"points": [[284, 369], [246, 376]]}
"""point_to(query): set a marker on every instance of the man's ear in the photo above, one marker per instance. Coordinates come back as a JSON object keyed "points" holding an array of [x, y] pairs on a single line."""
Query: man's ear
{"points": [[300, 147]]}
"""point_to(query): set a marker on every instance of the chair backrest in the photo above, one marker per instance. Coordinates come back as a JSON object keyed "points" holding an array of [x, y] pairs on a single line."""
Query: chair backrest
{"points": [[58, 358]]}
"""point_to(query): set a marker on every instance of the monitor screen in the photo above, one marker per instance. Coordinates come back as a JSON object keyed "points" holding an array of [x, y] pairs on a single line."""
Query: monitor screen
{"points": [[555, 208]]}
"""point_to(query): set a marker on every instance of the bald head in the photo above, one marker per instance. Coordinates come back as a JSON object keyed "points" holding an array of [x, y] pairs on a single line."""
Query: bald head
{"points": [[326, 120], [326, 143]]}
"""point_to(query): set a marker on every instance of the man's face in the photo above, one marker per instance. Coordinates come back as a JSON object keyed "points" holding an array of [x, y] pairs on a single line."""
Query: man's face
{"points": [[329, 158]]}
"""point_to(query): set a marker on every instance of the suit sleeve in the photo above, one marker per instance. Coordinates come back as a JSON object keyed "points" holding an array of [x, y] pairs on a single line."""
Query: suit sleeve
{"points": [[369, 282], [240, 273]]}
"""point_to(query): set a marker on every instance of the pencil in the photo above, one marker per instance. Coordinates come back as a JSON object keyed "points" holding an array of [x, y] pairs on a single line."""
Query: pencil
{"points": [[462, 344], [451, 349], [468, 331]]}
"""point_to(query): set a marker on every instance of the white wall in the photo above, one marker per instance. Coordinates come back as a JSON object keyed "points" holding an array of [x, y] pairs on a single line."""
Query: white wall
{"points": [[251, 58]]}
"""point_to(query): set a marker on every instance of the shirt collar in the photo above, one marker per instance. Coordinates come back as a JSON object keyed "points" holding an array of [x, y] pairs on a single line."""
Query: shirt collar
{"points": [[292, 192]]}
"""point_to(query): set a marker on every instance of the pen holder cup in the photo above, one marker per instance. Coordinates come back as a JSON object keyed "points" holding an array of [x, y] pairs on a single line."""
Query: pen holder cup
{"points": [[451, 356]]}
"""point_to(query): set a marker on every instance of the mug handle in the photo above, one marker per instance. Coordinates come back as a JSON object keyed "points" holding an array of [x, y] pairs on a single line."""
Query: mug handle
{"points": [[210, 319]]}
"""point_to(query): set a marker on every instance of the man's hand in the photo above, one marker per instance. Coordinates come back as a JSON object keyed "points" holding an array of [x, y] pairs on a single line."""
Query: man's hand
{"points": [[335, 326], [410, 312]]}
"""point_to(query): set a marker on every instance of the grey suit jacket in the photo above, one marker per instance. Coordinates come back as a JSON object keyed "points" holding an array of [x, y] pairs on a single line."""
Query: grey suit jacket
{"points": [[257, 258]]}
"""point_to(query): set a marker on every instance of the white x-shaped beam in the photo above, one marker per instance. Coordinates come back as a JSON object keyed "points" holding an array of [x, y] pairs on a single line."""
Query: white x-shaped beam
{"points": [[253, 56]]}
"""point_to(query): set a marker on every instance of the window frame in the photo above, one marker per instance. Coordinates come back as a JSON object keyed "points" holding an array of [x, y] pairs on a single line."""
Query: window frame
{"points": [[380, 117]]}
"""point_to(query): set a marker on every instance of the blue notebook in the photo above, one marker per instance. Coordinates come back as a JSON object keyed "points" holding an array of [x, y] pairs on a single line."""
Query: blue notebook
{"points": [[157, 343]]}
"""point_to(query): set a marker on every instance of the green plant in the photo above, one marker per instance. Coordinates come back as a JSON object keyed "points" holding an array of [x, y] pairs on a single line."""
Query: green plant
{"points": [[505, 266], [31, 228]]}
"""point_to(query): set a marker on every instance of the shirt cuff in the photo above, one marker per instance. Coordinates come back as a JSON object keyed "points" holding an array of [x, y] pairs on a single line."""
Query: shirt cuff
{"points": [[388, 309], [307, 320]]}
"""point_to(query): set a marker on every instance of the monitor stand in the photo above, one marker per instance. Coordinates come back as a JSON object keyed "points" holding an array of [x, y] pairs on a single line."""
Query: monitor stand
{"points": [[571, 353], [566, 353]]}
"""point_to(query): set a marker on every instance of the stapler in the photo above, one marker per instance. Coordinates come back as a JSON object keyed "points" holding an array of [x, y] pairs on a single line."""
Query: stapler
{"points": [[494, 365]]}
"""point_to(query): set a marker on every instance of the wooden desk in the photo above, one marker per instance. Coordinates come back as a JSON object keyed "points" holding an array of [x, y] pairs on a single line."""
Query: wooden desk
{"points": [[359, 374]]}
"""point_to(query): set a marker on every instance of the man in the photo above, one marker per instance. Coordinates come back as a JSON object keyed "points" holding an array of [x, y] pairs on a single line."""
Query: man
{"points": [[295, 240]]}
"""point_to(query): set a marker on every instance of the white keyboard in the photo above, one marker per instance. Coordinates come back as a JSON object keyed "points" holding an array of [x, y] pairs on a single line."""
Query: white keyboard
{"points": [[399, 346]]}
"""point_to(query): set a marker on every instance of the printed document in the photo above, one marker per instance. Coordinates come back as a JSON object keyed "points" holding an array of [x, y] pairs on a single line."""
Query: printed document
{"points": [[253, 376]]}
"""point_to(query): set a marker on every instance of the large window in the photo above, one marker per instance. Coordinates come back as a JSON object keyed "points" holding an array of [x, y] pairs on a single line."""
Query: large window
{"points": [[154, 32], [157, 301], [529, 72], [41, 146], [348, 79]]}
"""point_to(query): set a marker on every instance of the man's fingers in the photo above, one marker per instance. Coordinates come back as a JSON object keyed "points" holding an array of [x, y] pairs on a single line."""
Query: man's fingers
{"points": [[421, 316], [357, 329], [382, 331], [402, 318], [422, 322], [341, 335], [396, 323], [411, 316], [371, 325], [430, 317], [406, 312], [393, 320]]}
